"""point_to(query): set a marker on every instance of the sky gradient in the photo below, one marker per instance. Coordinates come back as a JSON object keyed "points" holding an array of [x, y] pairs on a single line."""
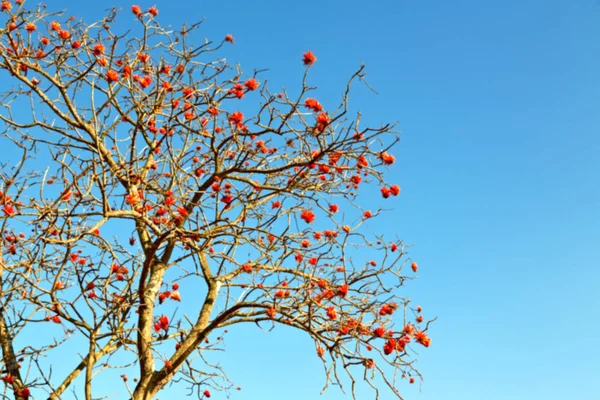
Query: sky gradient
{"points": [[498, 164]]}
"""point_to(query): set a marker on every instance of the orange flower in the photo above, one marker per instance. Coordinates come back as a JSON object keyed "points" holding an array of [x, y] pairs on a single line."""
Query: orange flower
{"points": [[143, 57], [313, 104], [247, 268], [236, 118], [5, 6], [331, 312], [422, 338], [387, 159], [308, 58], [379, 331], [30, 27], [112, 76], [64, 35], [153, 11], [395, 190], [271, 312], [308, 216], [251, 84], [367, 214], [98, 49], [320, 351], [414, 266], [229, 38], [385, 192], [136, 10]]}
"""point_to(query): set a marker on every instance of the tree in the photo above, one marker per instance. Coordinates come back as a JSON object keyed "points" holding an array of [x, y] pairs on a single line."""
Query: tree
{"points": [[131, 169]]}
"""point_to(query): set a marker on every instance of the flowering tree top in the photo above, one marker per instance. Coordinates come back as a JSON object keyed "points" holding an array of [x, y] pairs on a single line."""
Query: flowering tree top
{"points": [[159, 213]]}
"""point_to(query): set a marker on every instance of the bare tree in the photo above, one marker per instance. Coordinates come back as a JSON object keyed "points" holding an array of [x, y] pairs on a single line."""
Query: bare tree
{"points": [[142, 135]]}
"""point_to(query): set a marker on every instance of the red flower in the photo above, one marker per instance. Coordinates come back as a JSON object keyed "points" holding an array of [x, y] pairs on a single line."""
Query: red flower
{"points": [[98, 49], [313, 261], [112, 76], [143, 57], [343, 290], [76, 44], [64, 35], [247, 268], [389, 347], [414, 266], [313, 104], [136, 10], [395, 190], [385, 192], [308, 58], [6, 6], [229, 38], [271, 312], [322, 121], [331, 312], [56, 319], [182, 211], [308, 216], [236, 117], [379, 331], [163, 322], [387, 309], [153, 11], [422, 338], [320, 351], [23, 392], [367, 214], [30, 27], [276, 204], [387, 159], [207, 393], [394, 247], [9, 210], [251, 84]]}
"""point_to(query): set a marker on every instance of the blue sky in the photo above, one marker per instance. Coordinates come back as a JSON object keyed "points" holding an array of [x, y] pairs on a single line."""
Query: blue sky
{"points": [[498, 164]]}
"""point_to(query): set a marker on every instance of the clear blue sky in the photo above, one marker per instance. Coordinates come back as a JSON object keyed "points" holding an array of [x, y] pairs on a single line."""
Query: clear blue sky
{"points": [[499, 166]]}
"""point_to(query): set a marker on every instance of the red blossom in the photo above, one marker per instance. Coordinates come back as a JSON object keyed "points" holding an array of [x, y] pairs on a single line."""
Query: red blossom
{"points": [[236, 118], [331, 312], [385, 192], [112, 76], [313, 105], [251, 84], [308, 216], [229, 38], [308, 58]]}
